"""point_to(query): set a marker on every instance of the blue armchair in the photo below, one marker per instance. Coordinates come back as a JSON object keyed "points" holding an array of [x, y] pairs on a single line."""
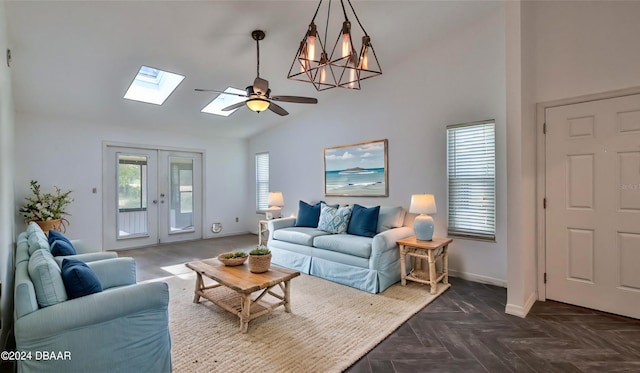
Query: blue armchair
{"points": [[124, 328]]}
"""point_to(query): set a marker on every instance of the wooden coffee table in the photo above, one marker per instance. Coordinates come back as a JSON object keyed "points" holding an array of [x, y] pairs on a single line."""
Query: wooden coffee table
{"points": [[236, 284]]}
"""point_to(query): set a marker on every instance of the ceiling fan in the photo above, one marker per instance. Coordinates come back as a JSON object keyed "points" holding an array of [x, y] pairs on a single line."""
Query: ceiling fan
{"points": [[259, 94]]}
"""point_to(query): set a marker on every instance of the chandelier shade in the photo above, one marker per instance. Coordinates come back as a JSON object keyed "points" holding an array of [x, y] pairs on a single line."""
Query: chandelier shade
{"points": [[345, 60], [345, 67], [368, 65], [311, 62]]}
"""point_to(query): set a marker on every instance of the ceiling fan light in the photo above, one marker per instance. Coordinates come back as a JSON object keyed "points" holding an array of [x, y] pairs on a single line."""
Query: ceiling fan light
{"points": [[258, 104], [259, 94]]}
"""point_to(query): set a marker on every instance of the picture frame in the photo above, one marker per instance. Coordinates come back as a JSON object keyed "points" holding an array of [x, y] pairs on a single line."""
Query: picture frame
{"points": [[357, 170]]}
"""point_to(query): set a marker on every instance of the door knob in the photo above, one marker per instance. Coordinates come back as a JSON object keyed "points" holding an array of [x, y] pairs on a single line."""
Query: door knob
{"points": [[162, 195], [155, 201]]}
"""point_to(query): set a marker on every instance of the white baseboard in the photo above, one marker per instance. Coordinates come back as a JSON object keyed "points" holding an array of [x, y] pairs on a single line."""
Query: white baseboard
{"points": [[478, 278], [522, 311], [218, 235]]}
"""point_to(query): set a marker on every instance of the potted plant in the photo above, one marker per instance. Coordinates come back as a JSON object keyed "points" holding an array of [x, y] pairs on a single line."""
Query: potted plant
{"points": [[259, 259], [233, 258], [46, 209]]}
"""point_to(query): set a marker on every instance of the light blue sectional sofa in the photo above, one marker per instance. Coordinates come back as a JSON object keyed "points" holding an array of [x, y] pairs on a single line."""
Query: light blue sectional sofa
{"points": [[124, 328], [370, 264]]}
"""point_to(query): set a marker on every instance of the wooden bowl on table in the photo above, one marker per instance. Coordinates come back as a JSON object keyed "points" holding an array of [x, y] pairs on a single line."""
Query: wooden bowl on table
{"points": [[234, 261]]}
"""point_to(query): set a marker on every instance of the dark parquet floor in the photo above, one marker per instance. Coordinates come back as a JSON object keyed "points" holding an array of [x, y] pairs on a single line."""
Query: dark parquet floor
{"points": [[465, 329]]}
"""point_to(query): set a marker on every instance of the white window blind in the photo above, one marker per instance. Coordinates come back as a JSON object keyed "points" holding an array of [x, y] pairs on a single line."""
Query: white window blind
{"points": [[262, 181], [471, 179]]}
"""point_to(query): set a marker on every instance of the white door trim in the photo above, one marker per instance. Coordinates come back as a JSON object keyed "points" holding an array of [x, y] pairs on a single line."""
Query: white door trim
{"points": [[541, 169], [106, 143]]}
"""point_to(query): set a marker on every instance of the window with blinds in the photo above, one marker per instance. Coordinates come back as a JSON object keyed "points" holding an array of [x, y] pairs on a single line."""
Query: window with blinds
{"points": [[471, 174], [262, 181]]}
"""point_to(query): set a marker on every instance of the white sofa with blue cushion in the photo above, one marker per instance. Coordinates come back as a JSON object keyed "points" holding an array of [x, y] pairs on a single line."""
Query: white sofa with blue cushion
{"points": [[371, 264], [123, 328]]}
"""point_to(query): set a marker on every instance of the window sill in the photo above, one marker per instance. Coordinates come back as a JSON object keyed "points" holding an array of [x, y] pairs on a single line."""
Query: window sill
{"points": [[472, 238]]}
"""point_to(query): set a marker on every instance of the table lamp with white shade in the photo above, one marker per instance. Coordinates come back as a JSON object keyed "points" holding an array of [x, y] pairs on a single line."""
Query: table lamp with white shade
{"points": [[423, 204], [276, 201]]}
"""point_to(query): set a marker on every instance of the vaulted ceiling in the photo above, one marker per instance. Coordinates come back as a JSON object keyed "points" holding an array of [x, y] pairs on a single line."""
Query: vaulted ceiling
{"points": [[76, 59]]}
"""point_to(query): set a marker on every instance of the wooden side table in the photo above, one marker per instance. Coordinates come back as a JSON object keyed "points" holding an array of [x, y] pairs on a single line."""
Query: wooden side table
{"points": [[429, 250], [263, 232]]}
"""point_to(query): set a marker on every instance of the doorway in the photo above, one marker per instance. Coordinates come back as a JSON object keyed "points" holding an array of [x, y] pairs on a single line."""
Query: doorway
{"points": [[592, 216], [151, 196]]}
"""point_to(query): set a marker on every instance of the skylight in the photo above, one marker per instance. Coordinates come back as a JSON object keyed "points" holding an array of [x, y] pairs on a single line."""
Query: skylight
{"points": [[152, 85], [222, 101]]}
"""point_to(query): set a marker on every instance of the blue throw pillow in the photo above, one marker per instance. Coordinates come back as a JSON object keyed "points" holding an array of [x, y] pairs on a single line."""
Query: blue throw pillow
{"points": [[334, 220], [364, 221], [55, 235], [308, 215], [62, 248], [79, 279]]}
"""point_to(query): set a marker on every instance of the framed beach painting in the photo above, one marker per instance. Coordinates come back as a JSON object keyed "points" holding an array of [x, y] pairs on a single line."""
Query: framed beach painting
{"points": [[357, 170]]}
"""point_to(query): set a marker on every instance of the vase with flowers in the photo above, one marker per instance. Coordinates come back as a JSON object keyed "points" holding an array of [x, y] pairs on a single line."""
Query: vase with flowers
{"points": [[48, 210]]}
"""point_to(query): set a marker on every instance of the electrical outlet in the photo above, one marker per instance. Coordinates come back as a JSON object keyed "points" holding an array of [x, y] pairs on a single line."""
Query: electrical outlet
{"points": [[237, 219]]}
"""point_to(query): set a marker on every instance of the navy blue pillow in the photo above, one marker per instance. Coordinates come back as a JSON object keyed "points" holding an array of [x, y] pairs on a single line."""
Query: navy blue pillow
{"points": [[364, 221], [62, 248], [55, 235], [308, 215], [79, 280]]}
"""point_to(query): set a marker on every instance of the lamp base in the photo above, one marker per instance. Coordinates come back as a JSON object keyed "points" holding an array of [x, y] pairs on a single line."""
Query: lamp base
{"points": [[423, 226], [274, 212]]}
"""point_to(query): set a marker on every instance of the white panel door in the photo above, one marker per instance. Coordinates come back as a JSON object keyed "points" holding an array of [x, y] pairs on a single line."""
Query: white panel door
{"points": [[593, 204]]}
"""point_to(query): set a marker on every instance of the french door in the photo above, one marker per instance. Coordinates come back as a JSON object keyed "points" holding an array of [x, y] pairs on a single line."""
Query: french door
{"points": [[150, 196]]}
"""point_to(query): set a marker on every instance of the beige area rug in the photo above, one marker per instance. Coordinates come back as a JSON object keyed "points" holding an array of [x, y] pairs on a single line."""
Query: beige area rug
{"points": [[330, 327]]}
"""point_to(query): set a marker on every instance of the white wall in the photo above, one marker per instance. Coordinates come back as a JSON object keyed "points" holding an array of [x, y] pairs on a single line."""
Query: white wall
{"points": [[457, 79], [68, 153], [7, 207], [586, 47]]}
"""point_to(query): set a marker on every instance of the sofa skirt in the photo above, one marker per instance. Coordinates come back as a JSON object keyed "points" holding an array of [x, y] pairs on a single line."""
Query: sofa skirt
{"points": [[365, 279], [290, 259]]}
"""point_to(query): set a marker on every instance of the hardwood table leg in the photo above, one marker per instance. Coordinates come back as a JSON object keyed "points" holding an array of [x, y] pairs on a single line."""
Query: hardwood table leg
{"points": [[199, 286], [403, 265], [245, 313], [287, 296], [432, 272]]}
